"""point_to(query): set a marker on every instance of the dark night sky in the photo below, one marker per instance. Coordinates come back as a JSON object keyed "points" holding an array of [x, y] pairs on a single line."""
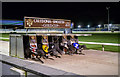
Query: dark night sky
{"points": [[80, 13]]}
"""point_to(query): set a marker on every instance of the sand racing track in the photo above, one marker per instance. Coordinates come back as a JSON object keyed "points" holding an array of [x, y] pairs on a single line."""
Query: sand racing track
{"points": [[94, 62]]}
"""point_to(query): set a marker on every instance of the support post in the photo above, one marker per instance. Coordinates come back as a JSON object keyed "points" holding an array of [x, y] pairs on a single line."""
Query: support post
{"points": [[102, 47], [26, 30]]}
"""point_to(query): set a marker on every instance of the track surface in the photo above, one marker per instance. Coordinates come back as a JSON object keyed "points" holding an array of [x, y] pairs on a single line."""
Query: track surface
{"points": [[94, 62]]}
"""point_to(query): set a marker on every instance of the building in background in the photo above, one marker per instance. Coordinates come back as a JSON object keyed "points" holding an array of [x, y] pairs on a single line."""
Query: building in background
{"points": [[112, 27]]}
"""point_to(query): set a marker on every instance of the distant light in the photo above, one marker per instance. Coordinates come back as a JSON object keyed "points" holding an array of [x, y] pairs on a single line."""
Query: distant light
{"points": [[107, 8], [110, 24], [99, 26], [88, 26], [72, 24], [79, 26]]}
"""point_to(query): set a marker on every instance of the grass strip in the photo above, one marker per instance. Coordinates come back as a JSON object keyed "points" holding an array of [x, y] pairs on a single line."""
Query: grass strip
{"points": [[99, 47]]}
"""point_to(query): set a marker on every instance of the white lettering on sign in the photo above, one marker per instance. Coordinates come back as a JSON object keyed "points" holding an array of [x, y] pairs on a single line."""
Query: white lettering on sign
{"points": [[61, 22], [54, 21], [36, 20], [42, 21], [48, 21], [50, 25], [45, 21]]}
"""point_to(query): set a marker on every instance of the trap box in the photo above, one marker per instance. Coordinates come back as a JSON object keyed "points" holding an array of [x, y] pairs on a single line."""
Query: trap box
{"points": [[19, 42]]}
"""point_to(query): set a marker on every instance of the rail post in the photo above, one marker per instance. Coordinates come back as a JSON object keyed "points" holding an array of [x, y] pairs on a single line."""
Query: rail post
{"points": [[102, 47]]}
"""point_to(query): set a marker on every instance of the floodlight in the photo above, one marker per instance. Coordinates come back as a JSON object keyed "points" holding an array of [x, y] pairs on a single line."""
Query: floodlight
{"points": [[110, 24], [79, 26], [88, 26], [99, 26]]}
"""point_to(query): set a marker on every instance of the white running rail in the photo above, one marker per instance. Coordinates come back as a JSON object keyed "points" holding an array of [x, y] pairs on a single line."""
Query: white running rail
{"points": [[113, 44]]}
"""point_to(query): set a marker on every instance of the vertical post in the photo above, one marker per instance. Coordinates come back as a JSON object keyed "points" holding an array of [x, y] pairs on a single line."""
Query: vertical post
{"points": [[26, 30], [48, 30], [102, 47], [9, 45], [108, 20], [25, 73], [108, 17], [5, 29]]}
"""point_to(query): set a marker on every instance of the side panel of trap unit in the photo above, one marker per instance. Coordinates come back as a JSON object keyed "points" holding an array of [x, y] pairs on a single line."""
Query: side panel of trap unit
{"points": [[16, 46]]}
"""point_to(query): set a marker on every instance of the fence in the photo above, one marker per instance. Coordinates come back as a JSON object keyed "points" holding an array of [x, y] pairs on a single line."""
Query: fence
{"points": [[50, 30], [100, 44], [31, 31]]}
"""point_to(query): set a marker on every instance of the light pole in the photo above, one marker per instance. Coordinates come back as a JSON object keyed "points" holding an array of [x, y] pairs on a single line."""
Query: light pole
{"points": [[108, 16], [5, 29]]}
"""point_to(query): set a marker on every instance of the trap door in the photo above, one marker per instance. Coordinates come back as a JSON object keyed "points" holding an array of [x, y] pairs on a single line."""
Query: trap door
{"points": [[64, 42], [60, 42], [33, 41], [55, 39], [64, 39], [39, 42], [76, 39], [50, 41], [45, 43], [72, 38]]}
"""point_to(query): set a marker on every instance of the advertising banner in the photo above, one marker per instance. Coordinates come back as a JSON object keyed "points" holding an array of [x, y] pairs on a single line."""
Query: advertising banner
{"points": [[34, 22]]}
